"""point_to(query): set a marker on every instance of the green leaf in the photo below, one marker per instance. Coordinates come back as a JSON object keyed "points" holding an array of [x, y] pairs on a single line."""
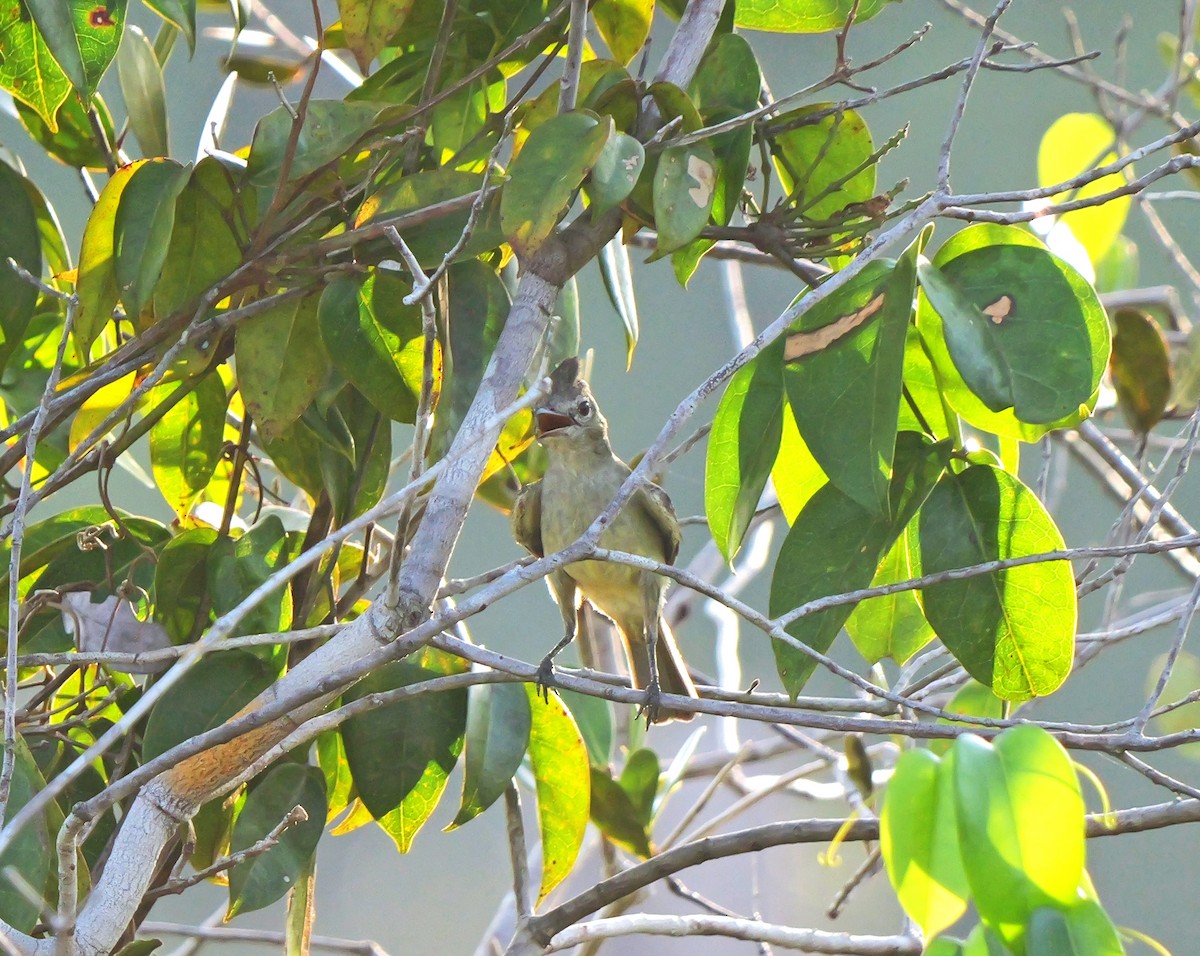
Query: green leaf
{"points": [[1013, 630], [217, 687], [186, 443], [796, 474], [684, 183], [640, 780], [892, 625], [815, 162], [618, 283], [497, 734], [802, 16], [142, 227], [616, 172], [179, 13], [843, 366], [401, 755], [376, 342], [1020, 824], [330, 128], [281, 363], [1140, 367], [27, 70], [369, 25], [181, 581], [624, 25], [546, 173], [560, 766], [97, 266], [1185, 678], [20, 239], [204, 248], [614, 813], [72, 140], [742, 447], [1076, 143], [339, 784], [1084, 929], [263, 879], [1020, 328], [32, 849], [834, 546], [237, 568], [918, 837], [144, 92], [430, 241], [594, 718], [81, 35]]}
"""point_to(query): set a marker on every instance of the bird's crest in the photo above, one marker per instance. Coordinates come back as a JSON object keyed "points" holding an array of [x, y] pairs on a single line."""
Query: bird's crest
{"points": [[566, 375]]}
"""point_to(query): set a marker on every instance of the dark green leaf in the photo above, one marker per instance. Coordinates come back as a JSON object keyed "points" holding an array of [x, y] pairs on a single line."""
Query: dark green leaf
{"points": [[375, 341], [1140, 368], [742, 447], [1013, 630], [640, 779], [401, 754], [835, 546], [497, 734], [20, 239], [144, 92], [142, 228], [263, 879], [594, 718], [181, 581], [281, 363], [1022, 328], [73, 140], [215, 689], [32, 849], [614, 813], [843, 367], [546, 173], [204, 248], [330, 128], [181, 14], [1083, 929], [237, 568]]}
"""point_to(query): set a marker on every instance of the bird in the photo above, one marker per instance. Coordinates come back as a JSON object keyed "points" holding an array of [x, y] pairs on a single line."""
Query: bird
{"points": [[581, 480]]}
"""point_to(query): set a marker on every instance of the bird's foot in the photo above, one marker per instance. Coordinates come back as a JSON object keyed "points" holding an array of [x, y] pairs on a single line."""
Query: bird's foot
{"points": [[651, 707], [545, 677]]}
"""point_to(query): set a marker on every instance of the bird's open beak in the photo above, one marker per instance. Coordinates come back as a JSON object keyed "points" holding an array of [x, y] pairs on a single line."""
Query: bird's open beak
{"points": [[550, 421]]}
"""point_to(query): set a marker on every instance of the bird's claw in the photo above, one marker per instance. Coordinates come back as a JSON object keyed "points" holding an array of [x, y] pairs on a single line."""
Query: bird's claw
{"points": [[545, 678], [651, 707]]}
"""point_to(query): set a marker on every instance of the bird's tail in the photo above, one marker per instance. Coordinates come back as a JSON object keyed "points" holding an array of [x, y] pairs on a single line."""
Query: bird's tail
{"points": [[673, 675]]}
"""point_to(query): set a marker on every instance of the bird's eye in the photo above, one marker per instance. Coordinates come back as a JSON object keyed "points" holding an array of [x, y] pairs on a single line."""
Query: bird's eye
{"points": [[583, 408]]}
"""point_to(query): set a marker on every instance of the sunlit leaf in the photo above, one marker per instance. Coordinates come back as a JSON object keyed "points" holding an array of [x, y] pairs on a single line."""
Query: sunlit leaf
{"points": [[186, 443], [919, 840], [1013, 630], [892, 625], [560, 766], [802, 16], [1076, 143], [624, 25], [369, 25], [824, 164]]}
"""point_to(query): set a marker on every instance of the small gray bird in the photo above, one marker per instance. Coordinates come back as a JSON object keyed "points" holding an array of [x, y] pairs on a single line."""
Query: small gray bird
{"points": [[581, 481]]}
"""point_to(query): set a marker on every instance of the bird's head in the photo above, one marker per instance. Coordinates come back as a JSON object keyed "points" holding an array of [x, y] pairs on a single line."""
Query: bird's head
{"points": [[570, 410]]}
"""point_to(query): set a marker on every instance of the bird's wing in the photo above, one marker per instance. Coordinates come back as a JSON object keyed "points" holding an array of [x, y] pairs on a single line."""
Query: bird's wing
{"points": [[527, 519], [661, 513]]}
